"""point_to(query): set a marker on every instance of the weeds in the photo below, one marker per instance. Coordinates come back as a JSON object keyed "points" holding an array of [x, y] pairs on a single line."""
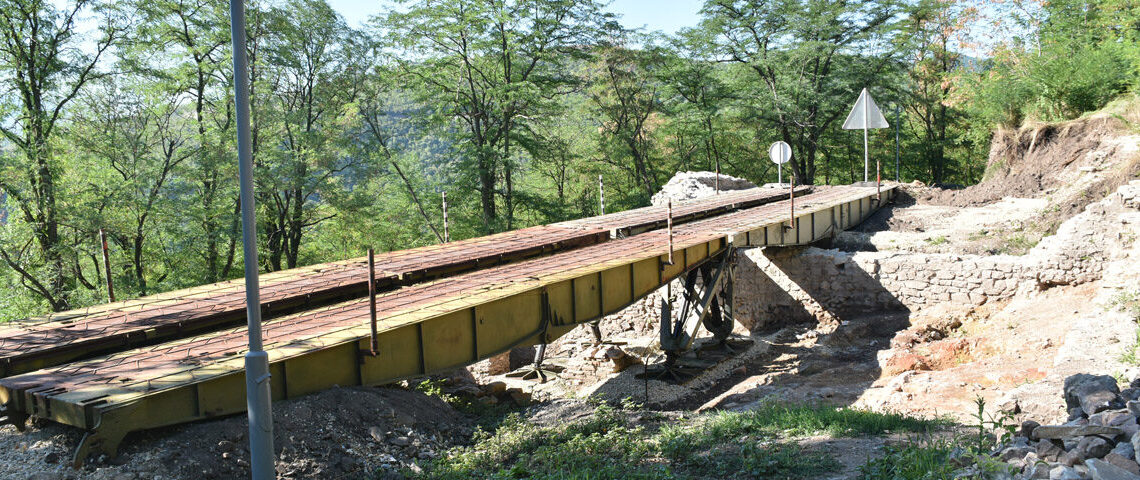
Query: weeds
{"points": [[1018, 244], [929, 458], [939, 240], [489, 416], [992, 429], [973, 237], [1129, 302], [752, 444]]}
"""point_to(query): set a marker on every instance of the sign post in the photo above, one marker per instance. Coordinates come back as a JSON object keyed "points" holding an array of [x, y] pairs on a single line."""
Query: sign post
{"points": [[257, 390], [780, 152], [866, 115]]}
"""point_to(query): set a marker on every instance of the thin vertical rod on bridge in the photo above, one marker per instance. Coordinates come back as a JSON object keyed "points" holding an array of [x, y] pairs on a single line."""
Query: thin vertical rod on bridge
{"points": [[792, 198], [107, 265], [718, 176], [446, 234], [257, 388], [375, 344], [669, 226], [601, 197]]}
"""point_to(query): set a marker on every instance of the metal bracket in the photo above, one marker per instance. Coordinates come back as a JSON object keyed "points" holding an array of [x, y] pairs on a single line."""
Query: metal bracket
{"points": [[105, 437], [16, 418], [538, 371]]}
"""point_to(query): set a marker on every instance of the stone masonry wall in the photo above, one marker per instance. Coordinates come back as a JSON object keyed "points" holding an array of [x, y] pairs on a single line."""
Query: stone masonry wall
{"points": [[780, 285], [796, 284]]}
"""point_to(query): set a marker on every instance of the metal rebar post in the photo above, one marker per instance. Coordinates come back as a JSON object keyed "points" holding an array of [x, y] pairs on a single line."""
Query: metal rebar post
{"points": [[107, 265], [375, 344], [718, 176], [256, 361], [669, 226], [792, 200], [446, 233], [601, 197]]}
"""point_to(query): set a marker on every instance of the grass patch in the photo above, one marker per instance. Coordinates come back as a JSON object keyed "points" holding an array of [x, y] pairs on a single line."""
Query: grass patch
{"points": [[928, 458], [1018, 244], [917, 459], [753, 444], [1129, 302], [486, 415], [802, 420], [939, 240]]}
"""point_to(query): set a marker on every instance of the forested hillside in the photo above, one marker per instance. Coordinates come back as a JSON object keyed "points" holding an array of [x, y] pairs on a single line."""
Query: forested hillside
{"points": [[119, 116]]}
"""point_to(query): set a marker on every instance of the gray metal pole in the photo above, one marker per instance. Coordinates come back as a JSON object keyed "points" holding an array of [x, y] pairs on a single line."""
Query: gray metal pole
{"points": [[866, 152], [897, 176], [257, 392]]}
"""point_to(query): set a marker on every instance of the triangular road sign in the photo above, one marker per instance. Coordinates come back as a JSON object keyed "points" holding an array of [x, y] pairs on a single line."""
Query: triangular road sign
{"points": [[865, 114]]}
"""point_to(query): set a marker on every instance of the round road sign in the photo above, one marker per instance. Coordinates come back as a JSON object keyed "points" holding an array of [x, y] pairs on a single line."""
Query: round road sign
{"points": [[780, 152]]}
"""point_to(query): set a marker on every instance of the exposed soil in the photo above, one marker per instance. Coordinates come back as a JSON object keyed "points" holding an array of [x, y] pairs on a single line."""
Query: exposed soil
{"points": [[340, 433], [1069, 165]]}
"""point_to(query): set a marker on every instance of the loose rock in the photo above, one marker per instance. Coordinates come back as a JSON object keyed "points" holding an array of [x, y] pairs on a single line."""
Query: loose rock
{"points": [[1093, 393], [1122, 462], [1094, 447], [1069, 431], [1102, 470]]}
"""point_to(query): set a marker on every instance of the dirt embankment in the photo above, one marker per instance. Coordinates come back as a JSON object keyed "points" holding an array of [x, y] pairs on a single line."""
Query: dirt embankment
{"points": [[1070, 164]]}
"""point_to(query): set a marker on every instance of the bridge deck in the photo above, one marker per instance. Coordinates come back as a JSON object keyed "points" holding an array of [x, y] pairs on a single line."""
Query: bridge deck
{"points": [[425, 328], [58, 338]]}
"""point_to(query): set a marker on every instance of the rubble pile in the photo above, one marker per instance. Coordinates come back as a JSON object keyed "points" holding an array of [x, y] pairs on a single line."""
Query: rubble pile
{"points": [[1100, 441], [689, 185]]}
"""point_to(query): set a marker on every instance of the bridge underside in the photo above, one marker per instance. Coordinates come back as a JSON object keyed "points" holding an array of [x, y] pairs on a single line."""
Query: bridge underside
{"points": [[426, 327]]}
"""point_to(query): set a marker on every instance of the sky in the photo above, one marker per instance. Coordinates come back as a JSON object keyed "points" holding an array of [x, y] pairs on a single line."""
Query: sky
{"points": [[667, 16]]}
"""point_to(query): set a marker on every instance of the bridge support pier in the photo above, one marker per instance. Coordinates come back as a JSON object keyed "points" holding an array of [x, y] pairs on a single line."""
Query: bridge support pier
{"points": [[708, 303]]}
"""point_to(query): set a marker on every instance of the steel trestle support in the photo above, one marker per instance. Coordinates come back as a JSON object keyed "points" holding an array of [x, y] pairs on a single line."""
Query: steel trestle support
{"points": [[707, 303]]}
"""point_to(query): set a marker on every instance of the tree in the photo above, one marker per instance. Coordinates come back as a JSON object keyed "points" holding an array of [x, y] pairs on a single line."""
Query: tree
{"points": [[379, 136], [625, 97], [183, 42], [43, 70], [697, 101], [316, 66], [489, 68], [809, 57], [138, 135], [932, 28]]}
